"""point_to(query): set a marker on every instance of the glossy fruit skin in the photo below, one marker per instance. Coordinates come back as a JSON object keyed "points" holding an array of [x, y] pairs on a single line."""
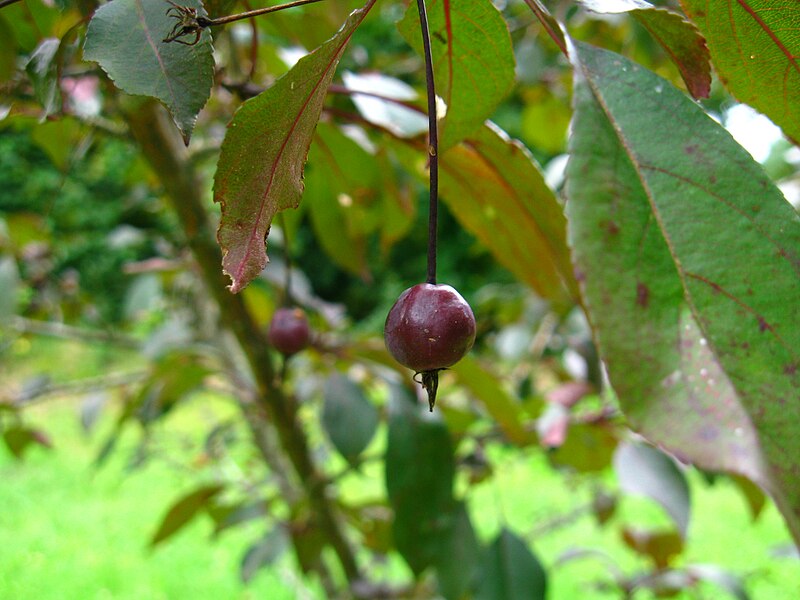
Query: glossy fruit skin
{"points": [[430, 327], [289, 332]]}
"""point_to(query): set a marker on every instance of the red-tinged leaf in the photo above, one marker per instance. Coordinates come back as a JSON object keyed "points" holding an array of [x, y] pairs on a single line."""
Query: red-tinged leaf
{"points": [[497, 192], [473, 61], [659, 546], [680, 39], [183, 511], [260, 168], [755, 46], [690, 269], [125, 38]]}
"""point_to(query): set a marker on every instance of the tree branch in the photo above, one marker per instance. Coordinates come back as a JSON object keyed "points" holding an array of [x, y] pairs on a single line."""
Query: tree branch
{"points": [[164, 150]]}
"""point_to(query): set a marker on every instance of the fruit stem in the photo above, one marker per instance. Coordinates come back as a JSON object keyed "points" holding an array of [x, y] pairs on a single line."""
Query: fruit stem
{"points": [[433, 146], [430, 381]]}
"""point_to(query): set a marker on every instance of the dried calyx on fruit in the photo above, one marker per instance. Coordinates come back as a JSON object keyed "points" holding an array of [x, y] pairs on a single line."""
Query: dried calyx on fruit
{"points": [[429, 328], [289, 332]]}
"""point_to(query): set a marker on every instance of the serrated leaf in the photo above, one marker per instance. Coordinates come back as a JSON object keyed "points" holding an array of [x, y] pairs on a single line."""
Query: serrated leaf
{"points": [[419, 480], [755, 46], [644, 471], [473, 61], [349, 418], [126, 38], [495, 189], [183, 511], [689, 262], [511, 571], [260, 168], [681, 40], [42, 70]]}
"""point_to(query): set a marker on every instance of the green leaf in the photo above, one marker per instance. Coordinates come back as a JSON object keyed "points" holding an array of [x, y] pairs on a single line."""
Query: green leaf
{"points": [[42, 69], [125, 38], [504, 409], [183, 511], [459, 556], [511, 571], [349, 418], [689, 263], [680, 39], [263, 553], [473, 61], [644, 471], [419, 480], [588, 448], [341, 192], [755, 46], [276, 128], [495, 189]]}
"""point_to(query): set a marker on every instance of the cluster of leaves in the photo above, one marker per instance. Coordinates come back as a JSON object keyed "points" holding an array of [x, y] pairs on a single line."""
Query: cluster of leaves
{"points": [[698, 339]]}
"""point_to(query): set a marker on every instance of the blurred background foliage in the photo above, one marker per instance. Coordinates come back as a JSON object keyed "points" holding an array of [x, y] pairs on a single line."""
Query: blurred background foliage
{"points": [[112, 357]]}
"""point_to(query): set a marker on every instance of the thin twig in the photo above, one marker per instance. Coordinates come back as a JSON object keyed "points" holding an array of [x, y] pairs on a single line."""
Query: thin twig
{"points": [[433, 143], [206, 22]]}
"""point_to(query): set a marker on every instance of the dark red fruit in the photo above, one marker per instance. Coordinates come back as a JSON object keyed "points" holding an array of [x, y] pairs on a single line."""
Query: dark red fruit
{"points": [[289, 332], [429, 328]]}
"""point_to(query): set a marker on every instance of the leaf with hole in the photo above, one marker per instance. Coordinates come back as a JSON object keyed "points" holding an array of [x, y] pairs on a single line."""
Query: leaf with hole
{"points": [[126, 38], [689, 260]]}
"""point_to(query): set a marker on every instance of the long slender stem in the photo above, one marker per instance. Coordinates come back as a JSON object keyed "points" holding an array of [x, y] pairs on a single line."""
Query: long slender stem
{"points": [[433, 143], [206, 22]]}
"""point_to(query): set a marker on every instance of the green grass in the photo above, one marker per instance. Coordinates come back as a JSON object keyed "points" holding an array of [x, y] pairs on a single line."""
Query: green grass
{"points": [[75, 532]]}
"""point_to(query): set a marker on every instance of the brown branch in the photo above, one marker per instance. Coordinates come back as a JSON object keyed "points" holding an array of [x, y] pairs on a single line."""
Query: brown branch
{"points": [[163, 148]]}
